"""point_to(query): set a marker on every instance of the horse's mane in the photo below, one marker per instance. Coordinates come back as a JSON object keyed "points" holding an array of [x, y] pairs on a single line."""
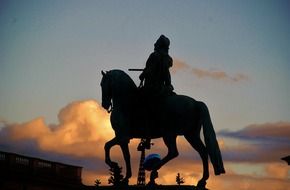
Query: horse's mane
{"points": [[122, 81]]}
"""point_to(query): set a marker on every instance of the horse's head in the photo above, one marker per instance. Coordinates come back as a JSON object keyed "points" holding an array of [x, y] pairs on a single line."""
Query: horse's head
{"points": [[117, 88], [106, 85]]}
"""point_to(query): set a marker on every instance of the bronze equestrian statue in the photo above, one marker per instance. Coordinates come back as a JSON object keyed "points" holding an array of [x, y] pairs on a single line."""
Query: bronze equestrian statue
{"points": [[172, 114]]}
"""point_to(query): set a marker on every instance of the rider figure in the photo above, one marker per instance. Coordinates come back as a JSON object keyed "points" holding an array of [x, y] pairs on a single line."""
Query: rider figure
{"points": [[157, 76], [156, 73]]}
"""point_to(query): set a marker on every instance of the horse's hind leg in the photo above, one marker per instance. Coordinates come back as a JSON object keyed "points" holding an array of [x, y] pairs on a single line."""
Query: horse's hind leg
{"points": [[198, 145]]}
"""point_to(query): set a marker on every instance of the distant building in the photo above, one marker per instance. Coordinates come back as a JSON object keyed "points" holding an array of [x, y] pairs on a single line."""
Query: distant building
{"points": [[18, 172]]}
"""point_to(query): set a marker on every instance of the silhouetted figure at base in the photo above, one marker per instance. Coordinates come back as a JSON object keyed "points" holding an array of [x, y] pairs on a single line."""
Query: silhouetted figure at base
{"points": [[177, 115], [153, 176]]}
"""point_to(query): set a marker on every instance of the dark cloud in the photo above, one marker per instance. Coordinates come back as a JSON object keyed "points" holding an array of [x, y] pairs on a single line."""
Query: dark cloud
{"points": [[258, 143], [276, 131]]}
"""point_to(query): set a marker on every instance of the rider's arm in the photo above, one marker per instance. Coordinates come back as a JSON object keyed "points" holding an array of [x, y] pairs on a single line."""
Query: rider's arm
{"points": [[167, 72], [148, 67]]}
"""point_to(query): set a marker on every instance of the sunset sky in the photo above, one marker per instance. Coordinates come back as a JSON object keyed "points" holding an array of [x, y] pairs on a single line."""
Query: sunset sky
{"points": [[232, 55]]}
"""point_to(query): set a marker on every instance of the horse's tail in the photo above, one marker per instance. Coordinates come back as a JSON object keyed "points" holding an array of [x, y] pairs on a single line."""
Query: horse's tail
{"points": [[211, 141]]}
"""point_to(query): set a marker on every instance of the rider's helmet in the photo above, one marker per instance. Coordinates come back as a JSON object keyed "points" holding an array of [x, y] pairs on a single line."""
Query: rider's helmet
{"points": [[162, 43]]}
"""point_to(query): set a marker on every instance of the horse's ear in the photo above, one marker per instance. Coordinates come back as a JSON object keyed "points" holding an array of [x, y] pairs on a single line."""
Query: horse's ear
{"points": [[103, 73]]}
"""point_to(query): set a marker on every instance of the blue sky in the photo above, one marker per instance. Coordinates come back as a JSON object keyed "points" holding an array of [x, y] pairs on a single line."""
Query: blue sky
{"points": [[52, 53]]}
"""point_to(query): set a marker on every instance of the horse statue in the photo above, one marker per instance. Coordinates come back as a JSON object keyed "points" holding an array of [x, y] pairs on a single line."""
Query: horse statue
{"points": [[175, 115]]}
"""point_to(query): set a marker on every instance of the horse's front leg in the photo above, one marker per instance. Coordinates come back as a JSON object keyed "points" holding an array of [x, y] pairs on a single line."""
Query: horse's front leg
{"points": [[170, 142], [126, 154], [108, 147]]}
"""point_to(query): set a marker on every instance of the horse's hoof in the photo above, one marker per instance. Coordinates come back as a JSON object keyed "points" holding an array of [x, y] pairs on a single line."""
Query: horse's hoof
{"points": [[124, 182], [151, 185], [201, 185]]}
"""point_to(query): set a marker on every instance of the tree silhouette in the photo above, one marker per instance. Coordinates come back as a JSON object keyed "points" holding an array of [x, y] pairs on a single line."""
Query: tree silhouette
{"points": [[179, 179], [115, 176], [97, 182]]}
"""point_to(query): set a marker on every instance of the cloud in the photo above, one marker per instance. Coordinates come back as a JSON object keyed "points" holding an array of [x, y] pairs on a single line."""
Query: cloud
{"points": [[192, 172], [78, 139], [84, 128], [258, 143], [279, 130], [211, 74], [179, 65], [248, 182], [274, 176], [277, 171]]}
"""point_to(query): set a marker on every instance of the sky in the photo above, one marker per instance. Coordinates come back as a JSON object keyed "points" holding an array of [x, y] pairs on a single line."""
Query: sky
{"points": [[232, 55]]}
